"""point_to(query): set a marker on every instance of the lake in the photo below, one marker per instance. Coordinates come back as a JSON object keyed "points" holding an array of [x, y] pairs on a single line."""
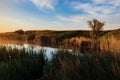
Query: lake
{"points": [[49, 51]]}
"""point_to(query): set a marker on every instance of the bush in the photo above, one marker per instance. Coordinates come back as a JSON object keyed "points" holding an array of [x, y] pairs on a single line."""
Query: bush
{"points": [[31, 37], [20, 31]]}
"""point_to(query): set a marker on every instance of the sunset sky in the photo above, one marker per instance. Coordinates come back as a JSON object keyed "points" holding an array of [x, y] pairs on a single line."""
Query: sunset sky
{"points": [[57, 14]]}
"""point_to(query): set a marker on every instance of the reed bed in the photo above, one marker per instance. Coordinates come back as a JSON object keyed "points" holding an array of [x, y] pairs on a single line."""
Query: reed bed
{"points": [[20, 64]]}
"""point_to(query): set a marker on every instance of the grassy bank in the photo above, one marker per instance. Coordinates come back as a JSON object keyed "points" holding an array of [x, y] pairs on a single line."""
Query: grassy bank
{"points": [[19, 64], [66, 39], [43, 38]]}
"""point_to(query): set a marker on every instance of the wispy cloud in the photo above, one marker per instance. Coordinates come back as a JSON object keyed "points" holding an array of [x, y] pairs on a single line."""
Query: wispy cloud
{"points": [[72, 19], [55, 22], [81, 20], [9, 20], [106, 2], [99, 1], [44, 4], [97, 7]]}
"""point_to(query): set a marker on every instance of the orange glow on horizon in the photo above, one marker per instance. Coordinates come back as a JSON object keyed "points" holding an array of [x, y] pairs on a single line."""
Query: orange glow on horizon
{"points": [[4, 28]]}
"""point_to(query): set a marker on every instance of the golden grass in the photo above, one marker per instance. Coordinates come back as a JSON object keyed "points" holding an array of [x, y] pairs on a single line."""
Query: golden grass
{"points": [[78, 40], [111, 44]]}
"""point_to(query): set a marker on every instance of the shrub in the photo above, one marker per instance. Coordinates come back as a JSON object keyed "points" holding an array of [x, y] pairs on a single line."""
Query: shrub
{"points": [[20, 31], [31, 37]]}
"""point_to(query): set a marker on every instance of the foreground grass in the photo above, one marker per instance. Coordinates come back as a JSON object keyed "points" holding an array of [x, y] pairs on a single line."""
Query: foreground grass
{"points": [[67, 66], [20, 64]]}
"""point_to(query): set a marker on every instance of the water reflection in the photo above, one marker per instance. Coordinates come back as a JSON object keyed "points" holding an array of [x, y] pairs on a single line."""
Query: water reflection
{"points": [[48, 50]]}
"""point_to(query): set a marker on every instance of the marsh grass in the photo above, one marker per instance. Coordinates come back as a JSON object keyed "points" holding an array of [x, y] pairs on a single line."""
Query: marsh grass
{"points": [[111, 44], [66, 66], [22, 64], [19, 64]]}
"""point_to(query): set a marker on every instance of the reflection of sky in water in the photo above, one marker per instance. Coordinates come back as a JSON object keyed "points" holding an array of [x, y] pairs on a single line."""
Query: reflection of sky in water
{"points": [[48, 50]]}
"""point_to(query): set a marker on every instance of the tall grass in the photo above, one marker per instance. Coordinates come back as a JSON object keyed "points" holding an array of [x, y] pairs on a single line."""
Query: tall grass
{"points": [[19, 64], [22, 64], [67, 66], [111, 44]]}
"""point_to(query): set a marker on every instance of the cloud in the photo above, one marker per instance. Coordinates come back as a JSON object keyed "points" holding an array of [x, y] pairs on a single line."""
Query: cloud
{"points": [[41, 4], [73, 19], [86, 7], [99, 1], [97, 7], [44, 4], [112, 26], [9, 20], [81, 20], [55, 22], [108, 2]]}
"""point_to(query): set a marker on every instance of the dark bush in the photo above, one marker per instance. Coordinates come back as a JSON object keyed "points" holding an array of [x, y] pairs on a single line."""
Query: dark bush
{"points": [[85, 46], [45, 40], [31, 37], [20, 31]]}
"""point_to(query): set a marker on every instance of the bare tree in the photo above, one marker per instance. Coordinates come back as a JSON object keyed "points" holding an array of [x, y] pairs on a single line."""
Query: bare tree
{"points": [[96, 27]]}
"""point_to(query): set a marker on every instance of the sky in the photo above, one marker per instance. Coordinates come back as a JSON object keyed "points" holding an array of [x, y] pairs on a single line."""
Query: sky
{"points": [[57, 14]]}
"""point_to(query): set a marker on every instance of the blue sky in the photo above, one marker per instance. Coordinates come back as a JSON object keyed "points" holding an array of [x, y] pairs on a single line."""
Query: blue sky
{"points": [[57, 14]]}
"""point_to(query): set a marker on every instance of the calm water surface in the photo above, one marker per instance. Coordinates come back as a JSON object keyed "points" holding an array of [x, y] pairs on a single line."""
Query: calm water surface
{"points": [[48, 50]]}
